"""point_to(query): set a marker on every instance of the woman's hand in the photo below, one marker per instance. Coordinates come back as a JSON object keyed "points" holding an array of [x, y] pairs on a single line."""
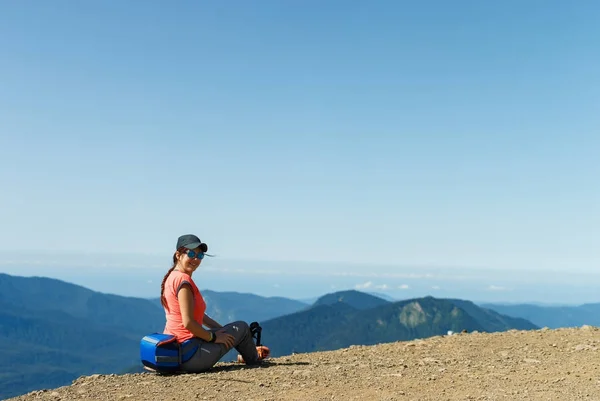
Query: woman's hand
{"points": [[224, 338]]}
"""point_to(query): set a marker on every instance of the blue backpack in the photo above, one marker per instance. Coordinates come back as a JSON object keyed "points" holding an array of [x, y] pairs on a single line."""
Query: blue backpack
{"points": [[164, 354]]}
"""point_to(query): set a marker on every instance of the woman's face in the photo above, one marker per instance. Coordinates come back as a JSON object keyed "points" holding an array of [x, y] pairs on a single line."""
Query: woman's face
{"points": [[188, 264]]}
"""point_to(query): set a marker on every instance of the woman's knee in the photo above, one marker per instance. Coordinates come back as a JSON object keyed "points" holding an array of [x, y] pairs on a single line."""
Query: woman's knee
{"points": [[240, 326]]}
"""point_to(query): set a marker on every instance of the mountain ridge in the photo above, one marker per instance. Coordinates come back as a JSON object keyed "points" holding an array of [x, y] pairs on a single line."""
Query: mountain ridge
{"points": [[551, 316], [335, 323], [227, 306], [356, 299]]}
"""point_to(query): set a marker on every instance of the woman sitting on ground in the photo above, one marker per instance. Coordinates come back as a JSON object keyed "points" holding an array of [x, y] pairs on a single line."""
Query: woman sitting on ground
{"points": [[185, 313]]}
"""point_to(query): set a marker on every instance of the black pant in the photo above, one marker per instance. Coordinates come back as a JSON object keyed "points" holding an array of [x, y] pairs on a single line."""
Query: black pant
{"points": [[208, 354]]}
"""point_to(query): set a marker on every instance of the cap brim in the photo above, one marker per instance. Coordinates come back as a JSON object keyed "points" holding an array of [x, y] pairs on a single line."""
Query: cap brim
{"points": [[193, 245]]}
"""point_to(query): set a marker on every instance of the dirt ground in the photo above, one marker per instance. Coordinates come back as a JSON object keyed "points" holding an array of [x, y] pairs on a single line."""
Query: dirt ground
{"points": [[562, 364]]}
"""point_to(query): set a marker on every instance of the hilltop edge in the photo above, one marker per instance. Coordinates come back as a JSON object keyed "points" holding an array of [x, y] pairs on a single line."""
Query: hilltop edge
{"points": [[516, 364]]}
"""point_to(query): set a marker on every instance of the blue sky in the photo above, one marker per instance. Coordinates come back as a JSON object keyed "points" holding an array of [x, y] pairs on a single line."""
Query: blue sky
{"points": [[381, 133]]}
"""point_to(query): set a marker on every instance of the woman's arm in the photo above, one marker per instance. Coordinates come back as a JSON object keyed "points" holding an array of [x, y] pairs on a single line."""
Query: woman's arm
{"points": [[210, 322], [186, 305]]}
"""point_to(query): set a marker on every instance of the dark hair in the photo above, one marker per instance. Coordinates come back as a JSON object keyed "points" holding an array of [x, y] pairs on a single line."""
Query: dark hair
{"points": [[163, 300]]}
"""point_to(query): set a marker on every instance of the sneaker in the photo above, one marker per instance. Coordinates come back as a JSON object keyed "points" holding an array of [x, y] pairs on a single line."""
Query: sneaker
{"points": [[262, 351]]}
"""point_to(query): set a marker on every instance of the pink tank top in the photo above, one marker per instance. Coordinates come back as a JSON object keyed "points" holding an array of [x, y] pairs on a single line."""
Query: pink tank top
{"points": [[174, 324]]}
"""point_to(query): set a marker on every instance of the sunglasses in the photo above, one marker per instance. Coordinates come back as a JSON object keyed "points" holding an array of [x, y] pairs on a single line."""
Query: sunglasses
{"points": [[193, 254]]}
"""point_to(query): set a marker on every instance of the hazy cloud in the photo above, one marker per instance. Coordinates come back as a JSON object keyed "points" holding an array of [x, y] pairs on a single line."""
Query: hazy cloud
{"points": [[222, 269], [497, 288], [368, 284], [404, 287]]}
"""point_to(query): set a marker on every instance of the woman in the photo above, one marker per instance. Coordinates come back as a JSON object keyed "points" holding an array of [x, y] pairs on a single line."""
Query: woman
{"points": [[185, 313]]}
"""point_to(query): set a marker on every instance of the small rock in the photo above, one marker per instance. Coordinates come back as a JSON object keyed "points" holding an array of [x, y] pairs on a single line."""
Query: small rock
{"points": [[301, 372]]}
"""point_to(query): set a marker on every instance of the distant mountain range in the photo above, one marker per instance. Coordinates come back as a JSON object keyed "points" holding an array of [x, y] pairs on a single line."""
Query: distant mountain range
{"points": [[52, 332], [351, 317], [552, 316], [231, 306]]}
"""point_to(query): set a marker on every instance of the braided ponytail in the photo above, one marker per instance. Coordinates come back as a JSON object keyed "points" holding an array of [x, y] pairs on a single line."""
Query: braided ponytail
{"points": [[163, 300]]}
